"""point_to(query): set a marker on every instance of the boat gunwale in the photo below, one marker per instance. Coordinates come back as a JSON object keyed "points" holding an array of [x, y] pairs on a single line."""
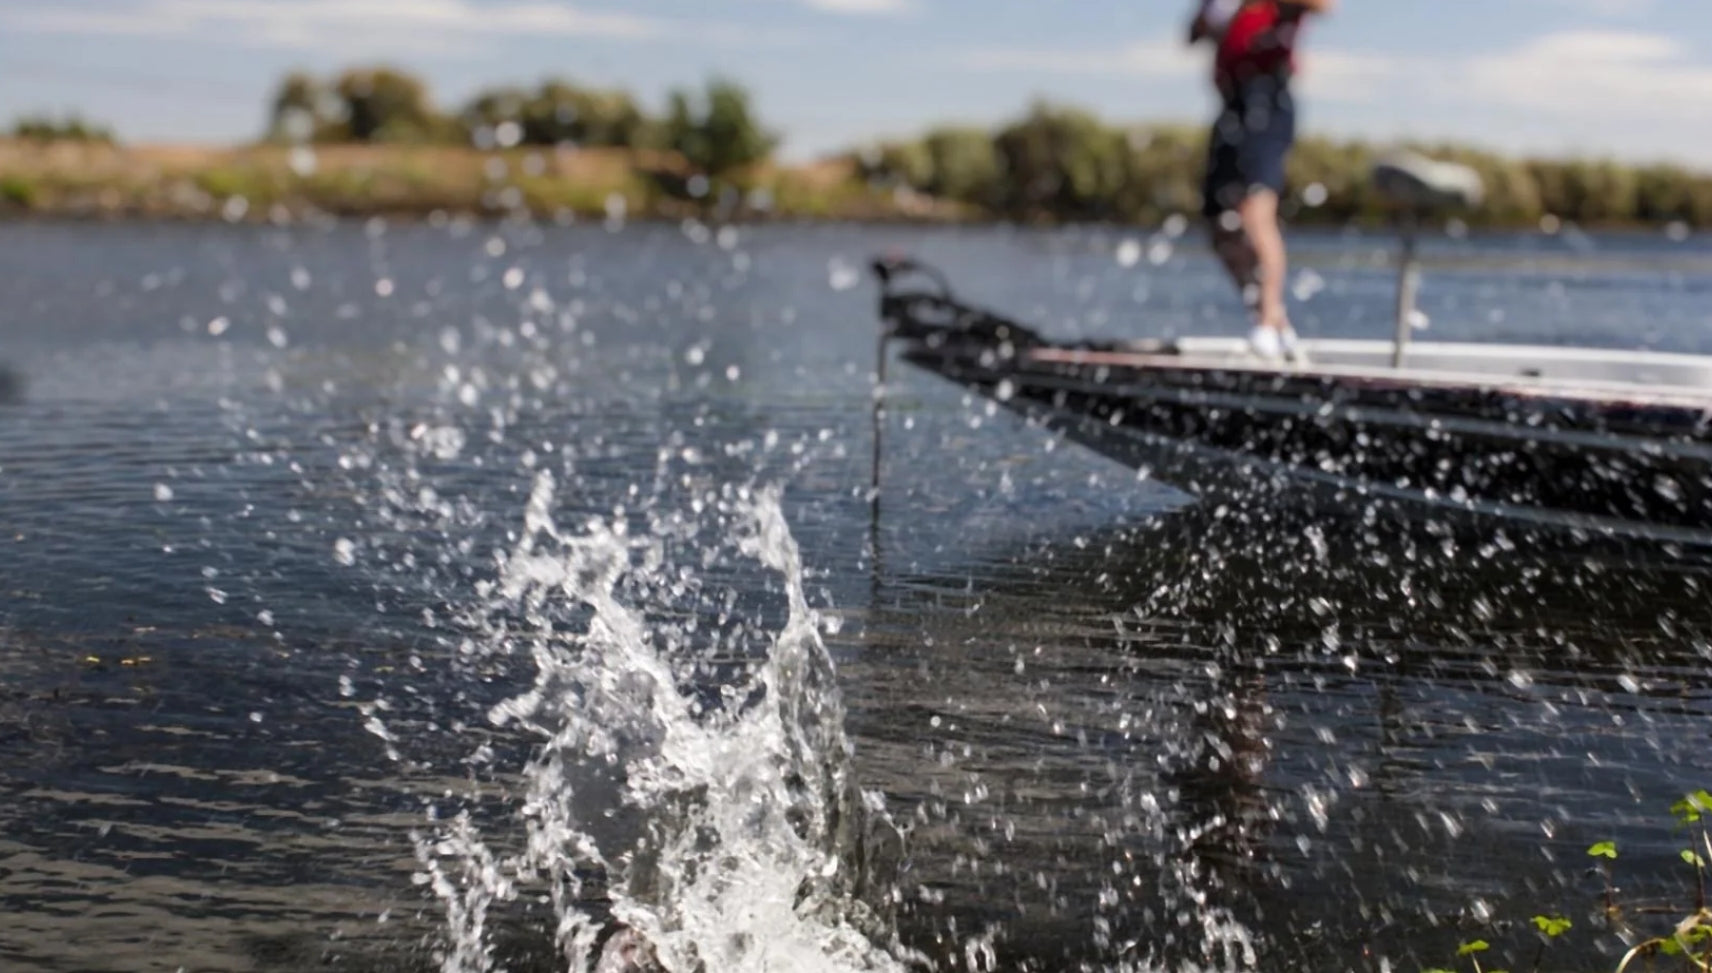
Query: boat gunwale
{"points": [[1592, 391]]}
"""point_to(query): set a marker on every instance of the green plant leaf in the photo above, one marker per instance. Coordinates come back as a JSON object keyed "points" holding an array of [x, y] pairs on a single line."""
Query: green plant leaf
{"points": [[1604, 849], [1438, 971], [1692, 808], [1478, 946], [1553, 926], [1670, 947], [1689, 856]]}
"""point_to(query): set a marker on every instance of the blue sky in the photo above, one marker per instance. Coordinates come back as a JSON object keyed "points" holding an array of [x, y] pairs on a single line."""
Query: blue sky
{"points": [[1626, 78]]}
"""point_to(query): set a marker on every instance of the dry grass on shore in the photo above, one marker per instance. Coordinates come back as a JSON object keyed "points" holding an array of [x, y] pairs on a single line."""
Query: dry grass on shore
{"points": [[97, 180]]}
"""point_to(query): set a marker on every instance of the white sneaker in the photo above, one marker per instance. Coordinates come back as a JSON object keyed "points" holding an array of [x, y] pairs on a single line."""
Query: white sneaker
{"points": [[1293, 350], [1266, 343]]}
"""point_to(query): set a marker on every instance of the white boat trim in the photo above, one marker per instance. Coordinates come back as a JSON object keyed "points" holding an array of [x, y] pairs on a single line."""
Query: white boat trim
{"points": [[1642, 387]]}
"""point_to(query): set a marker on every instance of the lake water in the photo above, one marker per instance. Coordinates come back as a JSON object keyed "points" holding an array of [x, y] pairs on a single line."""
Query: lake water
{"points": [[423, 598]]}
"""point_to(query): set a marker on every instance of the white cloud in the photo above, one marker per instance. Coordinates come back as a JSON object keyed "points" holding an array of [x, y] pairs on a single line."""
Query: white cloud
{"points": [[1589, 73], [1605, 8], [406, 25], [1154, 58], [861, 7], [1627, 92]]}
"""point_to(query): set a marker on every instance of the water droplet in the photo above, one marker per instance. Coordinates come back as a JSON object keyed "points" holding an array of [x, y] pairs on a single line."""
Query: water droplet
{"points": [[1308, 284], [219, 326], [1669, 489], [383, 287], [1129, 253], [842, 275], [163, 493], [345, 551], [302, 161], [617, 209]]}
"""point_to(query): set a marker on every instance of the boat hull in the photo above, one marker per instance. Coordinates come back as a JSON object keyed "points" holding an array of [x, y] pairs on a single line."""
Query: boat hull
{"points": [[1614, 460]]}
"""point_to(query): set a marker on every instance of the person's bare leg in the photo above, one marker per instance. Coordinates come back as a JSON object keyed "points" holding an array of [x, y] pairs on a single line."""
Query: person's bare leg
{"points": [[1230, 244], [1260, 225]]}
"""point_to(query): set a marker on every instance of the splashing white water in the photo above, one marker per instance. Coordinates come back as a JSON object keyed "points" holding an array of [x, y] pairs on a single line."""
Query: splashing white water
{"points": [[743, 848]]}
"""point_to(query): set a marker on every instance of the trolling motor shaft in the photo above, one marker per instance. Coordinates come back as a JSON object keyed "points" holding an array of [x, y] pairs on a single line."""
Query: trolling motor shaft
{"points": [[1419, 188]]}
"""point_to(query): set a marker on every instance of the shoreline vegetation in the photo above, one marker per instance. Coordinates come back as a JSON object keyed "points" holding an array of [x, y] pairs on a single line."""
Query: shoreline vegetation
{"points": [[371, 142]]}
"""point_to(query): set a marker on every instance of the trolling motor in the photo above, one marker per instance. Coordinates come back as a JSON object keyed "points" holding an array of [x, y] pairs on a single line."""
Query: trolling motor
{"points": [[917, 305], [895, 266], [1419, 188], [933, 315]]}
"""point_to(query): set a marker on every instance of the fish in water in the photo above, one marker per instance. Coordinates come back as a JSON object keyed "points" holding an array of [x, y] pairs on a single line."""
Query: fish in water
{"points": [[11, 385]]}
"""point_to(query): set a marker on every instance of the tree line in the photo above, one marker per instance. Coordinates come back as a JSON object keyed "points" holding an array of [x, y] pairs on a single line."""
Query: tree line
{"points": [[70, 128], [714, 130], [1052, 163], [1062, 163]]}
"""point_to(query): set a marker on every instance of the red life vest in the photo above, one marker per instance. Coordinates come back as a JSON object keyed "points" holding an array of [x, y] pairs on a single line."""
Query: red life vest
{"points": [[1260, 40]]}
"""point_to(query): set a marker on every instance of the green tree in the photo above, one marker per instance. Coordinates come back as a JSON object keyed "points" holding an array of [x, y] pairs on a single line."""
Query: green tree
{"points": [[563, 112], [382, 104], [963, 164], [71, 128], [1063, 163], [300, 110], [489, 110], [718, 132], [897, 164], [1664, 193], [1163, 173]]}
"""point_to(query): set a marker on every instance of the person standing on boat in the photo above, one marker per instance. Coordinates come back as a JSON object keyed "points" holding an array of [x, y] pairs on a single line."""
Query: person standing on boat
{"points": [[1256, 42]]}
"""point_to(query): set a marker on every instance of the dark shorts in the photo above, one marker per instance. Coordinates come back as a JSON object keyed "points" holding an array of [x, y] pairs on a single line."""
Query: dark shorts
{"points": [[1249, 144]]}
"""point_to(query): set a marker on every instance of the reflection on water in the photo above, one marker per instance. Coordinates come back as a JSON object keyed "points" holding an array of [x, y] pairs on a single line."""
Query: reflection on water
{"points": [[1361, 750], [253, 510]]}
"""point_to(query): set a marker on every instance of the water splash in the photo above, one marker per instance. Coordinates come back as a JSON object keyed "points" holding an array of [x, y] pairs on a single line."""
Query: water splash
{"points": [[739, 840]]}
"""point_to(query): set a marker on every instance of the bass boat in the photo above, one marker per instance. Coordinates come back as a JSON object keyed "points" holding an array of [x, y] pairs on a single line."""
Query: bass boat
{"points": [[1617, 443]]}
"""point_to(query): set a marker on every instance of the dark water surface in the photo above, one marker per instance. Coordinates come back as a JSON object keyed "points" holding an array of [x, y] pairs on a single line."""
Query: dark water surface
{"points": [[249, 478]]}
